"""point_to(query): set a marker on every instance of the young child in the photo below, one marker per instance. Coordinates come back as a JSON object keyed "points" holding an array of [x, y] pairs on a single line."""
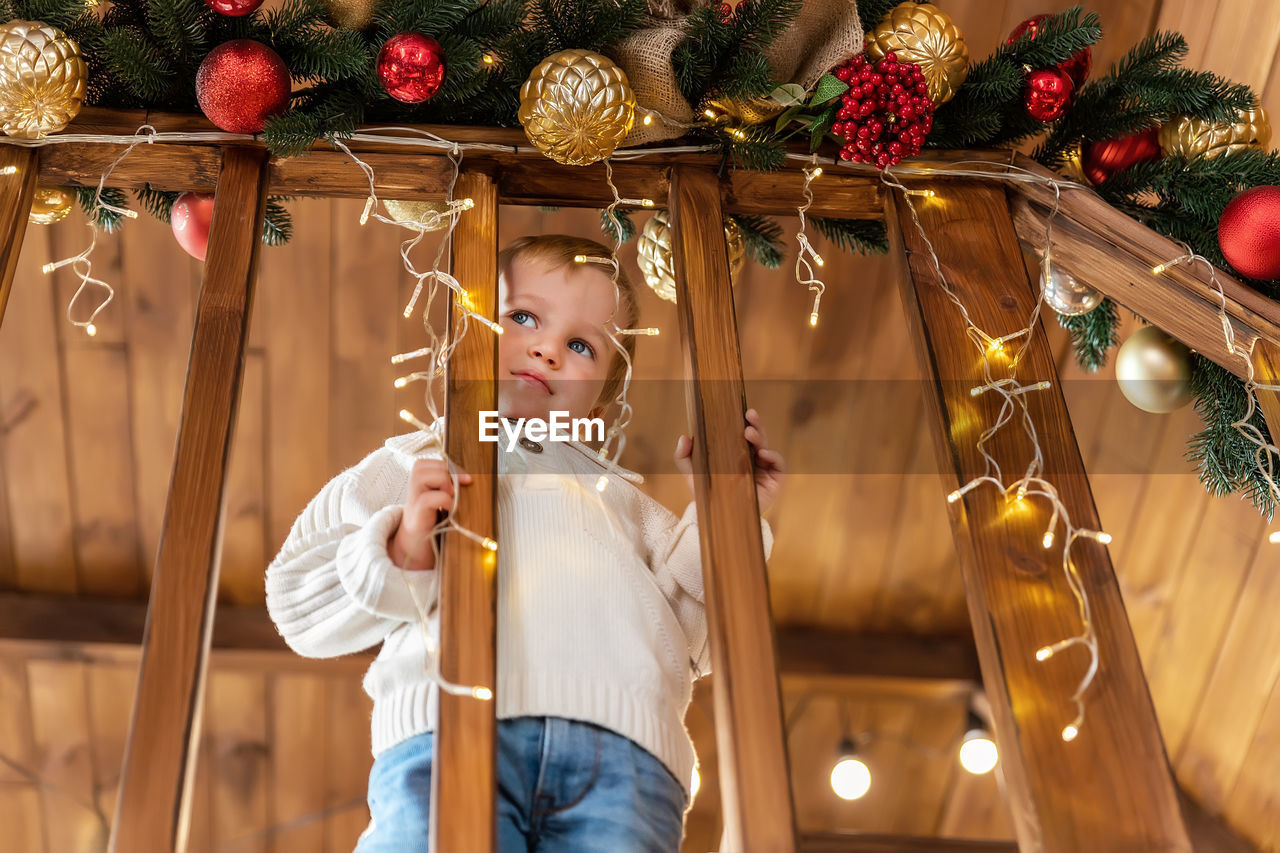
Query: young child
{"points": [[601, 619]]}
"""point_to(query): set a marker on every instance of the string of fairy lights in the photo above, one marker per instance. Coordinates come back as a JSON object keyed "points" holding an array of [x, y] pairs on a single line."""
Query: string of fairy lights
{"points": [[998, 363]]}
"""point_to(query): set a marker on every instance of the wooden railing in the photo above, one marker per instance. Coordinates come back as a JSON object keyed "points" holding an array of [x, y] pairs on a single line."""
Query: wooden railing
{"points": [[1110, 790]]}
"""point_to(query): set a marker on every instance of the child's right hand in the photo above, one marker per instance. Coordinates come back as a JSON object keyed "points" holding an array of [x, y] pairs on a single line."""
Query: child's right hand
{"points": [[430, 493]]}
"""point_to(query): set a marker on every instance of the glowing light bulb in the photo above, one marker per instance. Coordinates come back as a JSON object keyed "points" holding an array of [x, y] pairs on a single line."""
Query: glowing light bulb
{"points": [[1274, 538], [368, 209], [817, 259], [9, 170], [579, 259], [490, 544], [401, 382], [978, 753], [695, 783], [468, 203], [1044, 653], [646, 202], [813, 319], [1069, 733], [954, 496], [601, 483], [488, 59], [483, 693], [91, 330], [646, 121], [1104, 538], [850, 778], [1159, 268], [48, 268], [1047, 541], [709, 114]]}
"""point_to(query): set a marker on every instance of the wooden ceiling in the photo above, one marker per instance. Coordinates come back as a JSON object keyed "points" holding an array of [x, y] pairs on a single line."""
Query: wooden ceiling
{"points": [[87, 428]]}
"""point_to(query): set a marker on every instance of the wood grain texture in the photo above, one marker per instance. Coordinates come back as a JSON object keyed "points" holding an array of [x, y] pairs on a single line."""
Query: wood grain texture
{"points": [[1018, 598], [830, 842], [16, 193], [464, 782], [154, 802], [758, 810]]}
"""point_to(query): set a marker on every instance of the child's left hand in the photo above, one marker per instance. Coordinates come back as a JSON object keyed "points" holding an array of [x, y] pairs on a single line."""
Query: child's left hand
{"points": [[768, 463]]}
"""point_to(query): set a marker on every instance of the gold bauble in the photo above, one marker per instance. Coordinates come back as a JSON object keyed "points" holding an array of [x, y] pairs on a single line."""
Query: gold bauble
{"points": [[926, 36], [1154, 371], [1193, 137], [424, 215], [1073, 165], [352, 14], [42, 79], [654, 249], [576, 107], [50, 205], [747, 111]]}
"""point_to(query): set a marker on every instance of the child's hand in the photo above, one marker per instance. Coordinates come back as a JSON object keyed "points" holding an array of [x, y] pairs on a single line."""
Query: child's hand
{"points": [[430, 493], [768, 463]]}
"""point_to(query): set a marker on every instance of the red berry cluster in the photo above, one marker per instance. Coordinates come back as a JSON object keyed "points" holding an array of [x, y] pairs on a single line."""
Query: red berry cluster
{"points": [[885, 114]]}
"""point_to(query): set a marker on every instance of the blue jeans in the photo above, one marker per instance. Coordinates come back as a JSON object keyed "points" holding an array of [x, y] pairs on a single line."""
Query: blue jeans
{"points": [[563, 787]]}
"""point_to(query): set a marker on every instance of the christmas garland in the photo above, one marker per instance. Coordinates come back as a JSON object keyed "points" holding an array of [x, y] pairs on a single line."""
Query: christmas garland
{"points": [[1181, 151]]}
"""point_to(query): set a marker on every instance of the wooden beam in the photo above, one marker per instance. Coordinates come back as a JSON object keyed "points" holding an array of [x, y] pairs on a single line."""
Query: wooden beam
{"points": [[1115, 254], [15, 205], [159, 767], [804, 651], [464, 782], [751, 744], [1111, 788], [833, 842], [1210, 834]]}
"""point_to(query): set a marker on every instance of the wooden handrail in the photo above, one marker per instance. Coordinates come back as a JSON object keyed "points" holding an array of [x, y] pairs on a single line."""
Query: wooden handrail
{"points": [[15, 206]]}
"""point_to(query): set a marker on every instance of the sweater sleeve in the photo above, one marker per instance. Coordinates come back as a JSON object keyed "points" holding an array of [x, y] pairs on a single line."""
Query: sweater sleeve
{"points": [[676, 559], [333, 589]]}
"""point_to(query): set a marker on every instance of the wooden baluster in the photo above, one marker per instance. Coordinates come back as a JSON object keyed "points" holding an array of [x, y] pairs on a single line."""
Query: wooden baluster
{"points": [[463, 782], [154, 803], [754, 781], [1111, 788], [16, 192]]}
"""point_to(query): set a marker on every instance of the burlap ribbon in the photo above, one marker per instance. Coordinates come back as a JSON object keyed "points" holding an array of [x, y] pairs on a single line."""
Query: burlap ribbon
{"points": [[824, 34]]}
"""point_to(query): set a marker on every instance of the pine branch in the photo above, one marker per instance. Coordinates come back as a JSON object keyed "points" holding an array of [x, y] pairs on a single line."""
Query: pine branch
{"points": [[872, 12], [108, 220], [761, 237], [756, 152], [1057, 39], [1224, 458], [618, 226], [1093, 334], [557, 25], [866, 237], [277, 227], [726, 59], [159, 203]]}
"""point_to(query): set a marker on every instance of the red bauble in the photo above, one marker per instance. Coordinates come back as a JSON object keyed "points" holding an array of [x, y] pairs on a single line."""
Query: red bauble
{"points": [[233, 8], [190, 217], [1103, 159], [1249, 233], [1077, 67], [241, 84], [885, 114], [411, 67], [1048, 94]]}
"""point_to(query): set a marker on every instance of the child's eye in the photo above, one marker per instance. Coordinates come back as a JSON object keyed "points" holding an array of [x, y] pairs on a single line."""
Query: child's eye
{"points": [[580, 346], [521, 316]]}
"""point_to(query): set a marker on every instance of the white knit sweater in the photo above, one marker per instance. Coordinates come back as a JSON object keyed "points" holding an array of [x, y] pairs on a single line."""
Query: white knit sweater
{"points": [[600, 604]]}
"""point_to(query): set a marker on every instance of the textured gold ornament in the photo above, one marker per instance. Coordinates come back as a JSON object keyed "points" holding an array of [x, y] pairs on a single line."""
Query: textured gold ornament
{"points": [[42, 79], [1192, 137], [50, 205], [576, 107], [924, 36], [749, 111], [427, 215], [352, 14], [1154, 371], [654, 249], [1073, 165]]}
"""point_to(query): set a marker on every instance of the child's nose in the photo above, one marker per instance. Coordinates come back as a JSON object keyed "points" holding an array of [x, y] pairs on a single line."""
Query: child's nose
{"points": [[545, 352]]}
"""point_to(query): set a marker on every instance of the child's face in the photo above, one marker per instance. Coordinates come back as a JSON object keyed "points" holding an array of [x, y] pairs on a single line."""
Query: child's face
{"points": [[553, 353]]}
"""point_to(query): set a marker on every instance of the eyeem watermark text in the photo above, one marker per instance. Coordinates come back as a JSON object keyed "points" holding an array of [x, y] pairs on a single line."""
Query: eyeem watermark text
{"points": [[560, 428]]}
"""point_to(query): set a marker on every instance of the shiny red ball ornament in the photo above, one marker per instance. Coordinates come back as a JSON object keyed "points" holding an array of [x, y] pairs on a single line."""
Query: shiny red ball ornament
{"points": [[1249, 233], [241, 84], [233, 8], [885, 114], [190, 218], [1103, 159], [1048, 94], [411, 67], [1077, 67]]}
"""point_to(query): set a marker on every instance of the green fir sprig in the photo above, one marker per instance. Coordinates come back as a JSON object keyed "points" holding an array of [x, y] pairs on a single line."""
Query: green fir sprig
{"points": [[762, 238], [1093, 334], [1223, 457]]}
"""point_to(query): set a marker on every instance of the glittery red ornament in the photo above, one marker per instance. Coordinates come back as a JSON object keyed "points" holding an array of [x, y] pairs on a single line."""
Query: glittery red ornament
{"points": [[885, 114], [233, 8], [1103, 159], [1077, 67], [1048, 94], [190, 218], [241, 84], [1249, 233], [411, 67]]}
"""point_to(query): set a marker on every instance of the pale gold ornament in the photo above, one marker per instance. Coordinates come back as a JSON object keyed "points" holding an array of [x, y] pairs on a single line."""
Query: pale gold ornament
{"points": [[425, 215], [747, 111], [1073, 166], [50, 205], [352, 14], [1153, 371], [1192, 137], [654, 248], [576, 107], [42, 79], [925, 36]]}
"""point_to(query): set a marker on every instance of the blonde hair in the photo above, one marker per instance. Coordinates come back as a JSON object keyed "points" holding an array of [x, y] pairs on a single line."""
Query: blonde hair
{"points": [[559, 250]]}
